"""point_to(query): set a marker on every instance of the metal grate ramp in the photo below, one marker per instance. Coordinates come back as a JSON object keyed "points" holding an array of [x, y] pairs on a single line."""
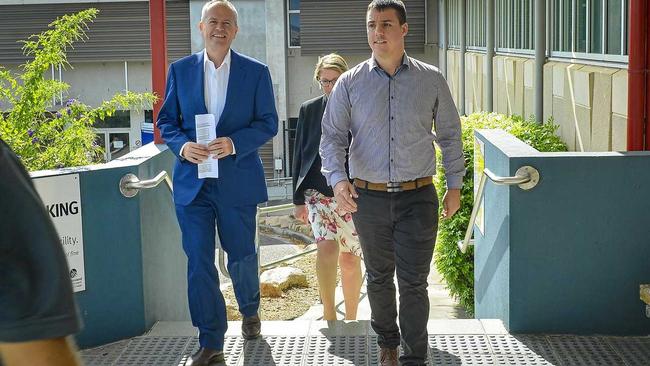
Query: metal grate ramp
{"points": [[305, 343]]}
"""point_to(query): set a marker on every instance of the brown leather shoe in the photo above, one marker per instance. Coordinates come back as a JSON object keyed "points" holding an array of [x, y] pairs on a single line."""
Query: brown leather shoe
{"points": [[206, 357], [388, 357], [251, 327]]}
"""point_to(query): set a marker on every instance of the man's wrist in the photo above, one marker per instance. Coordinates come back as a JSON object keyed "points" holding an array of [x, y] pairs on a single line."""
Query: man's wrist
{"points": [[454, 182], [180, 153], [336, 178]]}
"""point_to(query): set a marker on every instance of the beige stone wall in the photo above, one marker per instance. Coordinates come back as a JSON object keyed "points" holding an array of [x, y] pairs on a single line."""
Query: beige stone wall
{"points": [[589, 103], [453, 77], [514, 85], [474, 86]]}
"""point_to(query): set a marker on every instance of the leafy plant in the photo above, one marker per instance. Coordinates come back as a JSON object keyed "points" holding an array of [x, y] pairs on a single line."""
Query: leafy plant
{"points": [[45, 135], [457, 268]]}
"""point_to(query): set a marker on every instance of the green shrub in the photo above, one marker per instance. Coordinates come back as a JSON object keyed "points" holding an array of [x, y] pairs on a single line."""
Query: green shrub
{"points": [[44, 135], [455, 267]]}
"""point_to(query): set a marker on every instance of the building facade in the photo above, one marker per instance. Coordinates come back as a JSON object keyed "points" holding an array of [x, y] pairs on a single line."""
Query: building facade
{"points": [[584, 73], [584, 66], [115, 58]]}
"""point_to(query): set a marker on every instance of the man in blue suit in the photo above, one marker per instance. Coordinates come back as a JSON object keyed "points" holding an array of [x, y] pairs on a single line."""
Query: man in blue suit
{"points": [[237, 90]]}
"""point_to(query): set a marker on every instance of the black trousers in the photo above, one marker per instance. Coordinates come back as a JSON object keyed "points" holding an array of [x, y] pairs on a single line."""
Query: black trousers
{"points": [[397, 232]]}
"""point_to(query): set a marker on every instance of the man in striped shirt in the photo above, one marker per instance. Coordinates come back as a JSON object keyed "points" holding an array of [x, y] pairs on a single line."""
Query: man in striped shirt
{"points": [[392, 104]]}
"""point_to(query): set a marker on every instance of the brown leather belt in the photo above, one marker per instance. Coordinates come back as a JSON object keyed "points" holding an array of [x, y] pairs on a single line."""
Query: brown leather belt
{"points": [[393, 186]]}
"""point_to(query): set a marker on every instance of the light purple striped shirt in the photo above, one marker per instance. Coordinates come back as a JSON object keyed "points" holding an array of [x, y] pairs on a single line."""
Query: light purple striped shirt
{"points": [[392, 120]]}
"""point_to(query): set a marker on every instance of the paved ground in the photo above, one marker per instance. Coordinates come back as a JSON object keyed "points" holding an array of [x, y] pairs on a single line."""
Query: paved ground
{"points": [[318, 343], [441, 305]]}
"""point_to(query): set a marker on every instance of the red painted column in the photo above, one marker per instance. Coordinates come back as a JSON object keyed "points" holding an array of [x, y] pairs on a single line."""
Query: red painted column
{"points": [[637, 95], [158, 40]]}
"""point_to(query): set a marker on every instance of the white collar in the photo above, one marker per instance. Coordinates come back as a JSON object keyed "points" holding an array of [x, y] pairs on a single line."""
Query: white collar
{"points": [[226, 60]]}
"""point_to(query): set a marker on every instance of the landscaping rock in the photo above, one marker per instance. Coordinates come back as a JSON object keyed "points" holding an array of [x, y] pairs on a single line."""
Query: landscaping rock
{"points": [[272, 220], [275, 280], [645, 293], [284, 222]]}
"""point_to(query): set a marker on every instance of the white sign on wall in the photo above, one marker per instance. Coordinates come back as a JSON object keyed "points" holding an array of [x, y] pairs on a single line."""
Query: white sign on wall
{"points": [[62, 200]]}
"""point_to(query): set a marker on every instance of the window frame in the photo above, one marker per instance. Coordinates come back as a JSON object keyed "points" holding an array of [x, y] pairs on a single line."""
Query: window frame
{"points": [[289, 12], [513, 34], [504, 34], [616, 60]]}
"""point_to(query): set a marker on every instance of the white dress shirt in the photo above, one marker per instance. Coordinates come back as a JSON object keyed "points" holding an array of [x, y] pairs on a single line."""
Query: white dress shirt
{"points": [[215, 84], [215, 87]]}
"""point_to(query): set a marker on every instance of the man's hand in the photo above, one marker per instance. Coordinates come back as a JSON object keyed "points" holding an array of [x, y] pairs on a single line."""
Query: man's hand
{"points": [[450, 203], [344, 194], [220, 147], [300, 213], [195, 153]]}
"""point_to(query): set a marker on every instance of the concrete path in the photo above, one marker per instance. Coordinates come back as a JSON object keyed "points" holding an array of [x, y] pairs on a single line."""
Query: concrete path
{"points": [[441, 305]]}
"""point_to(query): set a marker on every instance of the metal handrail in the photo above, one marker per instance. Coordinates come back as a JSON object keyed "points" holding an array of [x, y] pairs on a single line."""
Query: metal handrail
{"points": [[130, 185], [499, 180], [525, 177], [478, 199], [287, 258], [262, 210]]}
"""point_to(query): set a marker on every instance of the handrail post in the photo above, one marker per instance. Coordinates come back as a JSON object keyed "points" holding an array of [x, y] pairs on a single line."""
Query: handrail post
{"points": [[477, 204]]}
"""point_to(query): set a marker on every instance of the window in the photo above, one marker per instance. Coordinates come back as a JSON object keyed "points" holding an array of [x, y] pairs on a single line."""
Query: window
{"points": [[291, 132], [590, 29], [453, 33], [115, 143], [616, 27], [514, 25], [119, 119], [476, 24], [293, 23], [148, 116]]}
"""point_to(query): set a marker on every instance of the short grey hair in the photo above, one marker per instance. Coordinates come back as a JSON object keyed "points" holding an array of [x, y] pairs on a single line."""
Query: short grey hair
{"points": [[212, 3]]}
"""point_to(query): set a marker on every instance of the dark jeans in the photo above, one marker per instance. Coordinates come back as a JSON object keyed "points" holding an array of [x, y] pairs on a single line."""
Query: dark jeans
{"points": [[397, 232]]}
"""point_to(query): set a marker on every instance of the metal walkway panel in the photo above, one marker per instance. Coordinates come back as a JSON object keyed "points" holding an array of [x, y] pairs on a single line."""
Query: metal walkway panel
{"points": [[635, 351], [354, 343]]}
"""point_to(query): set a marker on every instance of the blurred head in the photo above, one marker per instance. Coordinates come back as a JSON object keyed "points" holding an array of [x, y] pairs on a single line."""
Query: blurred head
{"points": [[218, 24], [386, 27], [328, 69]]}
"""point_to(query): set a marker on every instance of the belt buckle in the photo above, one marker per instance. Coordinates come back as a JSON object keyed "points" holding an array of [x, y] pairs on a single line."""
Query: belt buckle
{"points": [[393, 187]]}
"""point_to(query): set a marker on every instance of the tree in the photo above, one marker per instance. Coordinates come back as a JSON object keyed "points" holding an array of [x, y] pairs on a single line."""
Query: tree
{"points": [[44, 137]]}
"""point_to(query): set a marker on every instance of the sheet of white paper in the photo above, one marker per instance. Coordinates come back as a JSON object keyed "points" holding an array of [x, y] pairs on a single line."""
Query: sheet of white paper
{"points": [[206, 131]]}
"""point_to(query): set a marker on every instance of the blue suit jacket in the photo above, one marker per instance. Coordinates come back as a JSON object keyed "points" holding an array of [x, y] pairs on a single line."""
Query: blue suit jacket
{"points": [[249, 118]]}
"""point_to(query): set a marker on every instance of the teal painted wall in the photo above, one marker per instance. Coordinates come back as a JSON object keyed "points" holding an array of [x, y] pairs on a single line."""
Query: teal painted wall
{"points": [[568, 255], [164, 264], [112, 305], [135, 268], [492, 255]]}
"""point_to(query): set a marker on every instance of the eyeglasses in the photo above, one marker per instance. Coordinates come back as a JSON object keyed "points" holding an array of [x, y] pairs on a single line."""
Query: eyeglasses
{"points": [[325, 82]]}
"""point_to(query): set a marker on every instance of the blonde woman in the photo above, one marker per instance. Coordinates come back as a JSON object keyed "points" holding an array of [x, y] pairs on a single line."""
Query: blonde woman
{"points": [[335, 235]]}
